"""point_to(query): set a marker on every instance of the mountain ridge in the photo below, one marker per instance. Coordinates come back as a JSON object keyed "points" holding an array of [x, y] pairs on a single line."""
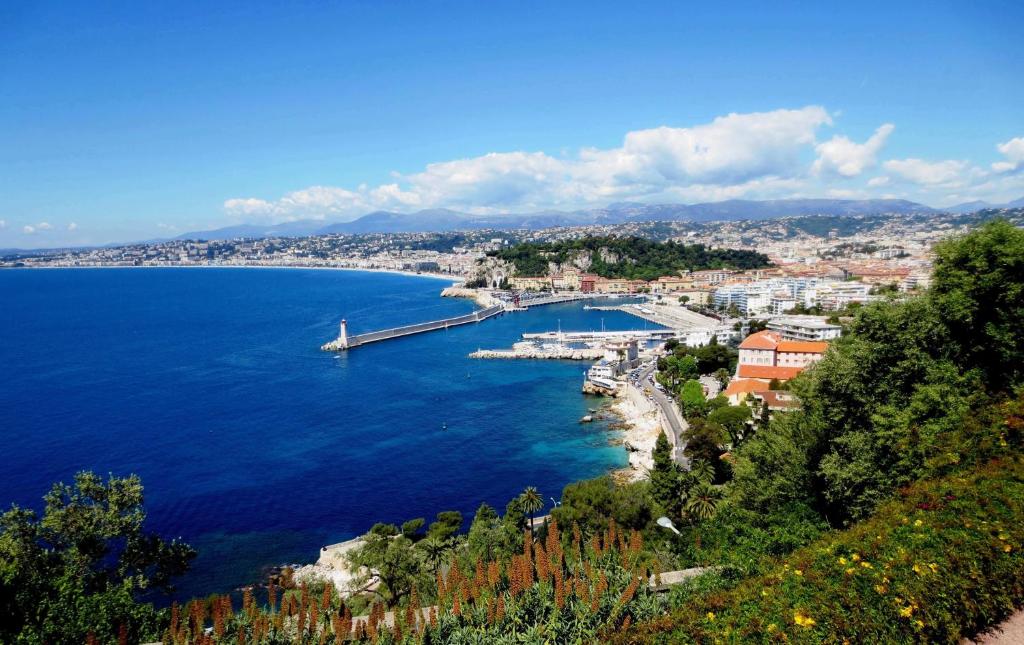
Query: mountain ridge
{"points": [[441, 220]]}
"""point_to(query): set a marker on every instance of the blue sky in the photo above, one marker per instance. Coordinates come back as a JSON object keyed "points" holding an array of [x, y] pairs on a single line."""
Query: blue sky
{"points": [[139, 120]]}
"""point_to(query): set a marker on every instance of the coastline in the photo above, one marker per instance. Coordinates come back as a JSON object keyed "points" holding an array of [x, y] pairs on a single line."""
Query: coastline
{"points": [[448, 277], [640, 427]]}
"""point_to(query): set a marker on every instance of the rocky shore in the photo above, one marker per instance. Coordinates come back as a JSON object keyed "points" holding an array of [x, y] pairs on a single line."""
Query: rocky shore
{"points": [[481, 296], [641, 426]]}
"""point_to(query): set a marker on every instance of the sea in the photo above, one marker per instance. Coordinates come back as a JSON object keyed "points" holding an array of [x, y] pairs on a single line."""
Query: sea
{"points": [[253, 445]]}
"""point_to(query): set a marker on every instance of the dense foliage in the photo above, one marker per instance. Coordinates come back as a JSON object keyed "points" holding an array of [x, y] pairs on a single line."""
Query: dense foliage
{"points": [[83, 568], [625, 257], [943, 561]]}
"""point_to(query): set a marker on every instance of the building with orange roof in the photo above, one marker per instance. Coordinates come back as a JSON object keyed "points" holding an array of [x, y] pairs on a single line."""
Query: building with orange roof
{"points": [[739, 389], [767, 372]]}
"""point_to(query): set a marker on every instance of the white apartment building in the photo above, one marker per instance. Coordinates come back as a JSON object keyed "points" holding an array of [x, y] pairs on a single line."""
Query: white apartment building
{"points": [[811, 328]]}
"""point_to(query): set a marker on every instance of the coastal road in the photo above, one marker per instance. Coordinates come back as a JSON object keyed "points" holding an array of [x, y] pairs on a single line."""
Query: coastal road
{"points": [[677, 425]]}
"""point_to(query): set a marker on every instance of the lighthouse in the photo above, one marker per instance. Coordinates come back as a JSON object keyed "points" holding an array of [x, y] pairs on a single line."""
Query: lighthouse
{"points": [[343, 334]]}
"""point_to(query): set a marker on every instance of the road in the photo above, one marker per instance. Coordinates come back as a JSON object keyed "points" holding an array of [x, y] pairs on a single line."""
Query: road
{"points": [[677, 425]]}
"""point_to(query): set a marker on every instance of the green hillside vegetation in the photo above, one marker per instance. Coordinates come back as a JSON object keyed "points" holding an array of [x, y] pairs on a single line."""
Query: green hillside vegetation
{"points": [[627, 257], [890, 508]]}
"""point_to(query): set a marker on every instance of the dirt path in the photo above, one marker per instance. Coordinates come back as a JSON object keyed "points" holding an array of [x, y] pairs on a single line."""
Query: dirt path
{"points": [[1009, 632]]}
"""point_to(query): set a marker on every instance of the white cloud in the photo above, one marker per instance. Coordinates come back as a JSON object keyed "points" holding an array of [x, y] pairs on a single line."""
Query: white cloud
{"points": [[28, 230], [3, 223], [732, 155], [841, 156], [72, 226], [44, 226], [929, 173], [761, 155], [1013, 150]]}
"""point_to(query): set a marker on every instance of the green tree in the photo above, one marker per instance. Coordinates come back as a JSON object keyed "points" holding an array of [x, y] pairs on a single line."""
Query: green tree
{"points": [[691, 398], [394, 558], [666, 480], [735, 419], [978, 290], [447, 524], [702, 501], [704, 442], [85, 565], [532, 503]]}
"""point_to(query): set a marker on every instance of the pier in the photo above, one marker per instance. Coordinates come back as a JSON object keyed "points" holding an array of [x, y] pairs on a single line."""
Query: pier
{"points": [[344, 341], [556, 298], [648, 334]]}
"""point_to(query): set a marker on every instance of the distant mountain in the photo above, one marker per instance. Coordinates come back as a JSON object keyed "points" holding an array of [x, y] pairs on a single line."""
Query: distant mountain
{"points": [[438, 219], [298, 228], [441, 219], [970, 207]]}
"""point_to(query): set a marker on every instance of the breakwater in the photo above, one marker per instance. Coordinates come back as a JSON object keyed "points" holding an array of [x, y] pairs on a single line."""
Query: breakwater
{"points": [[344, 341]]}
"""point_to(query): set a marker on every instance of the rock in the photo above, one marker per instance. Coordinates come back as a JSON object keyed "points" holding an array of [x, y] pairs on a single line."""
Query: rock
{"points": [[586, 419]]}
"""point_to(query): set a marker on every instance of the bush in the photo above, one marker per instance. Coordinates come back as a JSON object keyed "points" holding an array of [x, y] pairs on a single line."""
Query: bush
{"points": [[940, 562]]}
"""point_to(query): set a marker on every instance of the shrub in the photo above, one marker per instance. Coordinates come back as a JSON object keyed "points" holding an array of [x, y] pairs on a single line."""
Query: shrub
{"points": [[941, 561]]}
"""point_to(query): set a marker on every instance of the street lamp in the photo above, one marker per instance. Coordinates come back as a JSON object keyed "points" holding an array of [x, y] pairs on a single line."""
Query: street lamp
{"points": [[666, 523]]}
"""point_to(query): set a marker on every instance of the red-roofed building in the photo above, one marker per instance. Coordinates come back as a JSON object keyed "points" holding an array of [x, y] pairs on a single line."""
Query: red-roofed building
{"points": [[766, 355], [739, 389], [767, 372]]}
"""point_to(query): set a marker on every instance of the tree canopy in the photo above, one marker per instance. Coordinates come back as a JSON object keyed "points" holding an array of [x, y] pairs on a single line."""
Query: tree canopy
{"points": [[627, 257]]}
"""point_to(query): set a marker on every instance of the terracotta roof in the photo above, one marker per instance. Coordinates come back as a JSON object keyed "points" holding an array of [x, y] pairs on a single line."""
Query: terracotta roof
{"points": [[745, 386], [761, 340], [805, 346], [779, 399], [768, 372]]}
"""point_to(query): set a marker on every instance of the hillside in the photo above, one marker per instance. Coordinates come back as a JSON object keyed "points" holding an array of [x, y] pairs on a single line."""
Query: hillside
{"points": [[625, 257], [440, 219]]}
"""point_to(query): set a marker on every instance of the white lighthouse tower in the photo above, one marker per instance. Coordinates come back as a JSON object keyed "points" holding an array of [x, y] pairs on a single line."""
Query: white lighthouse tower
{"points": [[343, 335]]}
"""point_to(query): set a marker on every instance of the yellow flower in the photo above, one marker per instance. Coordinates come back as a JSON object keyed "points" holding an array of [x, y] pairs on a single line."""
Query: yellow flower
{"points": [[917, 569], [772, 627], [1007, 548], [764, 592], [855, 557], [881, 589], [1004, 537], [906, 611], [866, 565], [934, 567], [850, 571], [918, 624], [918, 522], [711, 615], [842, 560], [798, 572], [803, 621]]}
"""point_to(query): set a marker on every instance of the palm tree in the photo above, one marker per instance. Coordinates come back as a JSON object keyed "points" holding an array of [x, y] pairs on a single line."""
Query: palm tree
{"points": [[434, 549], [701, 472], [532, 502], [703, 501]]}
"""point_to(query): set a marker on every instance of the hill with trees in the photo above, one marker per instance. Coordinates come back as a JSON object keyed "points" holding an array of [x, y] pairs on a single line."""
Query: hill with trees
{"points": [[625, 257]]}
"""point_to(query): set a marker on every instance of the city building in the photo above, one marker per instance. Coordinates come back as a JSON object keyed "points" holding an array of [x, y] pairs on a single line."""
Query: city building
{"points": [[804, 328]]}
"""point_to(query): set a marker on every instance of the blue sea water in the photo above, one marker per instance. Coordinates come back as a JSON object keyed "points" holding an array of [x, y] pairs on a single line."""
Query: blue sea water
{"points": [[255, 446]]}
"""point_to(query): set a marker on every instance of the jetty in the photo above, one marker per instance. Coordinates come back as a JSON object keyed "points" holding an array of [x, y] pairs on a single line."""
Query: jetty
{"points": [[648, 334], [344, 341], [533, 351]]}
